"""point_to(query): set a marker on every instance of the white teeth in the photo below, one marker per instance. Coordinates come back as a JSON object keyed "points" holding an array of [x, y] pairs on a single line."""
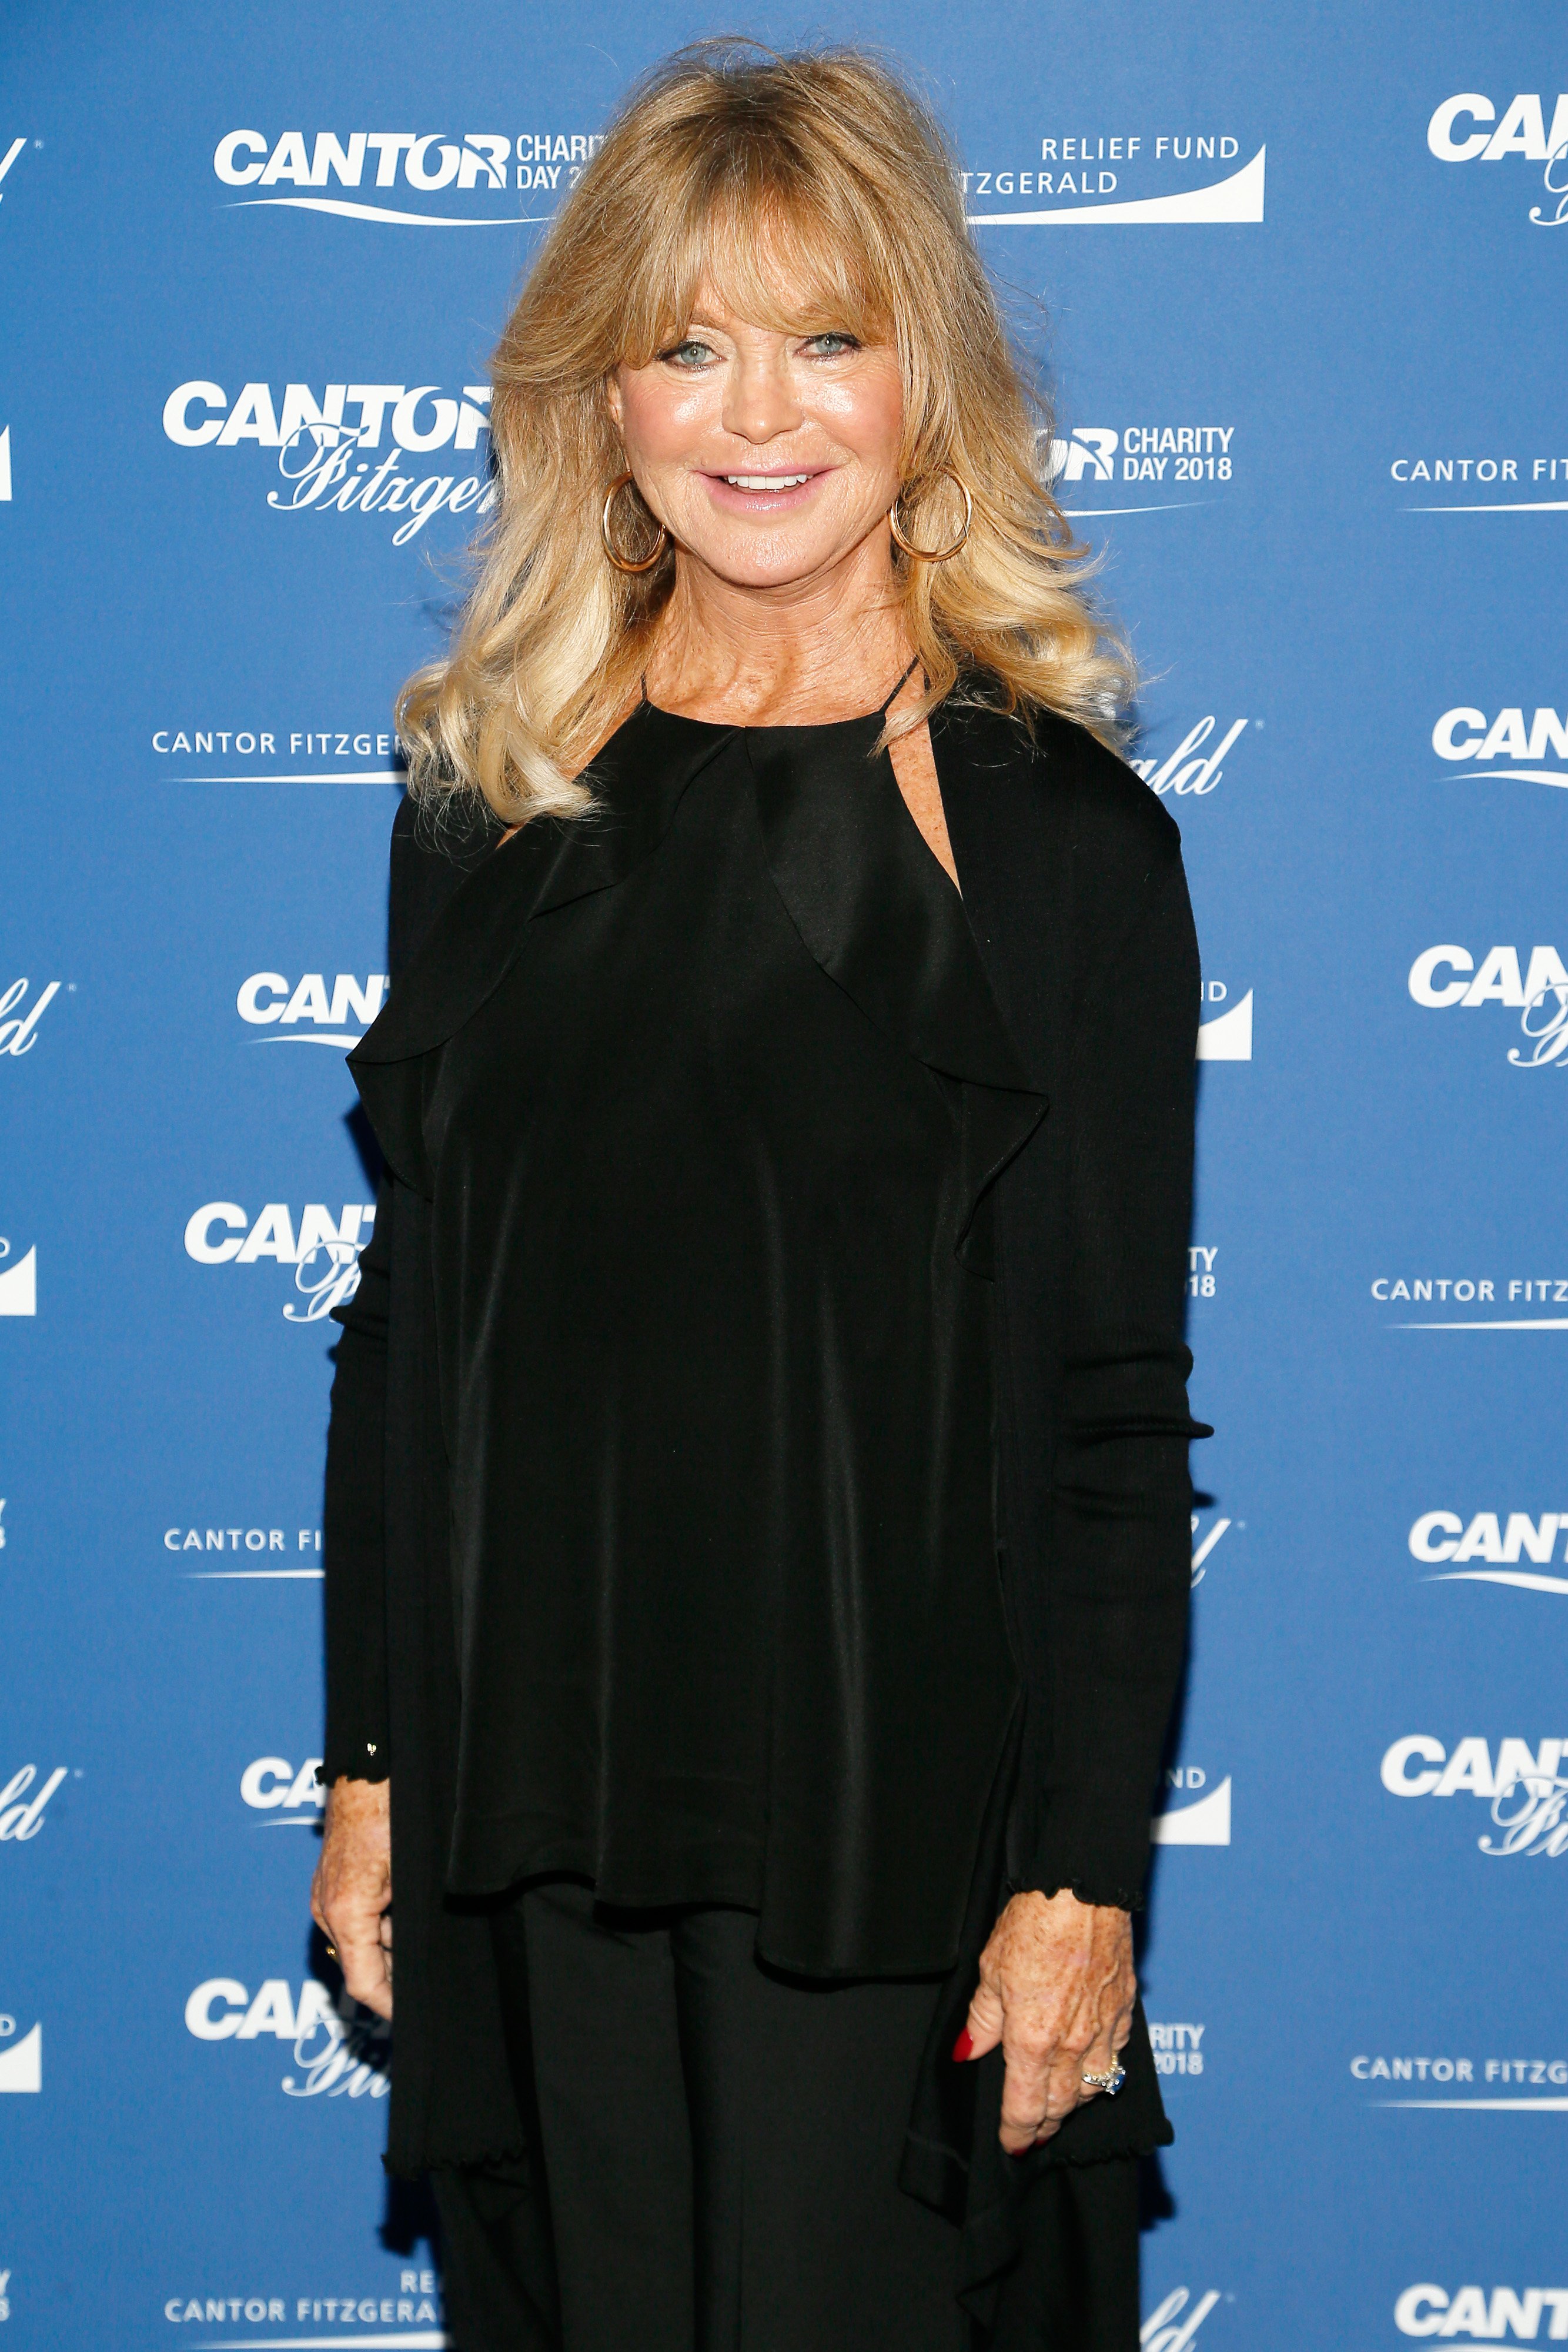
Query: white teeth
{"points": [[765, 481]]}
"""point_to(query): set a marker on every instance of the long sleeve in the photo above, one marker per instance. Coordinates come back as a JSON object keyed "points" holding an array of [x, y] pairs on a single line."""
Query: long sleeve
{"points": [[1118, 1574], [428, 863], [354, 1525]]}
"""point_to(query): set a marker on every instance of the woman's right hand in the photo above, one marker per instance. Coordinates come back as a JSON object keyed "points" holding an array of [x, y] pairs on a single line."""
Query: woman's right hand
{"points": [[351, 1891]]}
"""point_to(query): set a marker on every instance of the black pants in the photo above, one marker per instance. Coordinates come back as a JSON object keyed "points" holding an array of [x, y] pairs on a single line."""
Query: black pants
{"points": [[717, 2147]]}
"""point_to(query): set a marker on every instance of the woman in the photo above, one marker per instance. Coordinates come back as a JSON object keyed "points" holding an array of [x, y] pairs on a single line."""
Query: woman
{"points": [[757, 1503]]}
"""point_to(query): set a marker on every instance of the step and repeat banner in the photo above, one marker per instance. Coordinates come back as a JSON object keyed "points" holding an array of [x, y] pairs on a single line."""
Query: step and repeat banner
{"points": [[1298, 276]]}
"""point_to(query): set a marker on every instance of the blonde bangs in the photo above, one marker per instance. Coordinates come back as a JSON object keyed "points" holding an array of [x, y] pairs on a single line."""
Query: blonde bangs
{"points": [[737, 177], [745, 227]]}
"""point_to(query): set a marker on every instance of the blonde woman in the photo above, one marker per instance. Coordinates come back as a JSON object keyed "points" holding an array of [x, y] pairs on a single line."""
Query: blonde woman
{"points": [[757, 1498]]}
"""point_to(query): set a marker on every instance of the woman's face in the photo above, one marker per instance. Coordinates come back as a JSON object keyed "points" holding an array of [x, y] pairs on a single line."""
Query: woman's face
{"points": [[770, 458]]}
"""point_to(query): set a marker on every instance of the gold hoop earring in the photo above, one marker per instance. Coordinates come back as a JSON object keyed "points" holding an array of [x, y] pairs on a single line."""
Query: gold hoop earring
{"points": [[624, 562], [939, 555]]}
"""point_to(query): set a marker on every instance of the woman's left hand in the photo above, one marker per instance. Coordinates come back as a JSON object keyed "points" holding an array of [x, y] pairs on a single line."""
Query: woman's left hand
{"points": [[1056, 1990]]}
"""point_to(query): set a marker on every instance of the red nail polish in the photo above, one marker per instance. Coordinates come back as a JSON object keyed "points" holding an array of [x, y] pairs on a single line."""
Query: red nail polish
{"points": [[964, 2046]]}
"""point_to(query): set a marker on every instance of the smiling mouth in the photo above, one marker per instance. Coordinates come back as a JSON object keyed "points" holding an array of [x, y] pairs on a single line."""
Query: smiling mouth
{"points": [[765, 481]]}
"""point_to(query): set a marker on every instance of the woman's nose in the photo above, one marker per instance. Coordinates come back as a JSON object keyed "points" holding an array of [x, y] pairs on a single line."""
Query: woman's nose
{"points": [[760, 401]]}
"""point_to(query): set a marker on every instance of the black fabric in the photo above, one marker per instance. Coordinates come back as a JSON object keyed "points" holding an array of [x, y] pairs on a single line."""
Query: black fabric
{"points": [[499, 2290], [715, 1382], [953, 2160], [717, 2143], [713, 2164], [367, 1454], [1074, 2287], [1072, 880], [354, 1519], [1073, 887]]}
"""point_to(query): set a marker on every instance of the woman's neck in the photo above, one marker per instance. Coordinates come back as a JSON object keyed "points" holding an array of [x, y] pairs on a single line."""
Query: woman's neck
{"points": [[818, 651]]}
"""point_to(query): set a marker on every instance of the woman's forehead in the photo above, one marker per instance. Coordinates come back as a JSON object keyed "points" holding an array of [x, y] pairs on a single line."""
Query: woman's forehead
{"points": [[765, 267], [775, 307]]}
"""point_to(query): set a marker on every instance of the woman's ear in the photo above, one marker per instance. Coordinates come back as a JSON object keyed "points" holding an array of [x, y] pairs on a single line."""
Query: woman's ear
{"points": [[613, 400]]}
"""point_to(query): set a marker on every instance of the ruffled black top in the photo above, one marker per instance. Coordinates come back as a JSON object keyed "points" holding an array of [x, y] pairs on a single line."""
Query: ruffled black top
{"points": [[705, 1092]]}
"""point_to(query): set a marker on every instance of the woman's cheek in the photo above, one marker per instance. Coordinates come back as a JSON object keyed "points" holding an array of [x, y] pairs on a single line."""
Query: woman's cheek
{"points": [[688, 411], [866, 418], [663, 421]]}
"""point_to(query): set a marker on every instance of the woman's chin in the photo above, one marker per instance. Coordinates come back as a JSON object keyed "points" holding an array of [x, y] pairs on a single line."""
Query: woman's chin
{"points": [[775, 562]]}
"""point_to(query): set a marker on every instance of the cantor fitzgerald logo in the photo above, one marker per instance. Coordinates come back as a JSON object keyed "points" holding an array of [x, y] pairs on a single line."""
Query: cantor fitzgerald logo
{"points": [[20, 1020], [1174, 2323], [378, 175], [1195, 766], [1204, 1544], [290, 1799], [1494, 2085], [415, 2311], [1470, 128], [340, 2050], [1486, 481], [22, 1800], [381, 176], [344, 749], [310, 1011], [1442, 978], [1489, 1293], [323, 1250], [264, 1548], [1509, 747], [12, 148], [1502, 1540], [1521, 1784], [319, 444], [1472, 2315], [1181, 180]]}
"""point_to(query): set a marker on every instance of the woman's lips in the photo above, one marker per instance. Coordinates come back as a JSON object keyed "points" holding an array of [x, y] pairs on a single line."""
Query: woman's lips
{"points": [[757, 492]]}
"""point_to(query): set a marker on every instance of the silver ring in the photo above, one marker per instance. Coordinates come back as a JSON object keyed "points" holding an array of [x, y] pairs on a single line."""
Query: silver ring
{"points": [[1110, 2083]]}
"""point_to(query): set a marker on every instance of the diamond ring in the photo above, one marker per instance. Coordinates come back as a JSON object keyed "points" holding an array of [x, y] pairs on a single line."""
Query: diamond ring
{"points": [[1110, 2082]]}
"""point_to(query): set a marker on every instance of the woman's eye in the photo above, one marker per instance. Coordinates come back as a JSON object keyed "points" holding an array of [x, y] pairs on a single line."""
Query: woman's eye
{"points": [[689, 354], [831, 346]]}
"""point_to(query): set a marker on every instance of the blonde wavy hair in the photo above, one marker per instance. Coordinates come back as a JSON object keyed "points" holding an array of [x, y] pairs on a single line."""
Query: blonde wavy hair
{"points": [[753, 173]]}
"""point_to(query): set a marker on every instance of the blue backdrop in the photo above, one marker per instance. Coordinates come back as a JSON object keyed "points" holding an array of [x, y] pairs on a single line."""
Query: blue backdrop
{"points": [[1304, 272]]}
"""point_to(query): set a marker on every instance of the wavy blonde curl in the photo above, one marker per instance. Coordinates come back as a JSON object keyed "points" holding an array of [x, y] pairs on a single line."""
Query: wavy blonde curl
{"points": [[751, 171]]}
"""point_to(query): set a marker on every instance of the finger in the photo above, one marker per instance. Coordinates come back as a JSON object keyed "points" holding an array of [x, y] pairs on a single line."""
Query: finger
{"points": [[1069, 2086], [1100, 2058], [378, 1999], [1025, 2104], [354, 1937], [983, 2029], [1066, 2088], [319, 1897], [365, 1975]]}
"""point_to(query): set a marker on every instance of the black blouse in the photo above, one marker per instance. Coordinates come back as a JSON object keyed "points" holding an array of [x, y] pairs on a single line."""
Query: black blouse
{"points": [[715, 1351], [1075, 900]]}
